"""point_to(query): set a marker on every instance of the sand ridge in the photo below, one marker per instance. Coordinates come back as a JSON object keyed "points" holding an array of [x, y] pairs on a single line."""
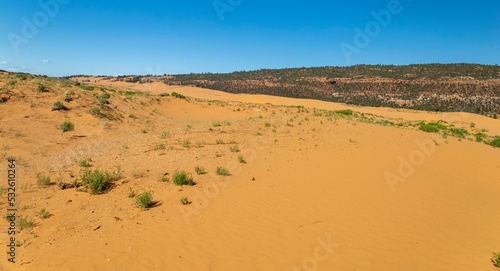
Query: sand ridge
{"points": [[312, 195]]}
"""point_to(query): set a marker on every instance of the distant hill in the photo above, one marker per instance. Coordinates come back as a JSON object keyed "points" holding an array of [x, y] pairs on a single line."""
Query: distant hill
{"points": [[434, 87]]}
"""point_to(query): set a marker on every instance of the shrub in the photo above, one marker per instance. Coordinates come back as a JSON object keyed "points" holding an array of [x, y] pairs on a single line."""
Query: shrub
{"points": [[165, 134], [95, 111], [99, 181], [222, 171], [43, 181], [177, 95], [58, 106], [182, 178], [85, 162], [43, 88], [241, 159], [267, 124], [67, 126], [431, 127], [495, 142], [480, 137], [496, 259], [219, 141], [458, 132], [184, 201], [43, 214], [234, 149], [162, 178], [144, 200], [186, 143], [346, 112], [199, 170], [131, 193], [25, 223], [103, 99]]}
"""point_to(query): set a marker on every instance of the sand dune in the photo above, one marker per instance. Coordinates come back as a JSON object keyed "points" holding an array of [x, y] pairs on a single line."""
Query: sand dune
{"points": [[314, 193]]}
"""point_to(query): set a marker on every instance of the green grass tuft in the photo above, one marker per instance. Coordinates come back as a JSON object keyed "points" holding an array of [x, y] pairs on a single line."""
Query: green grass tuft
{"points": [[144, 200], [222, 171], [67, 126], [182, 178]]}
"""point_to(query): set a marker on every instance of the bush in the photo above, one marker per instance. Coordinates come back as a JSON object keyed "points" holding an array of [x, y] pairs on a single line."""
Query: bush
{"points": [[199, 170], [222, 171], [177, 95], [24, 223], [219, 141], [144, 200], [43, 181], [431, 127], [95, 111], [131, 193], [103, 99], [99, 181], [43, 214], [162, 178], [458, 132], [67, 126], [241, 159], [182, 178], [234, 148], [43, 88], [480, 137], [496, 259], [58, 106], [495, 142], [184, 201], [346, 112], [85, 162]]}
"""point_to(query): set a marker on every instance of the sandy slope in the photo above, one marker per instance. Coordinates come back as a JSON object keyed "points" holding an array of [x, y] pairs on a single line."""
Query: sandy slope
{"points": [[312, 196]]}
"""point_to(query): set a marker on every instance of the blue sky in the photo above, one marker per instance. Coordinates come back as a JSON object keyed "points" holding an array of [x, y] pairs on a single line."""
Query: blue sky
{"points": [[65, 37]]}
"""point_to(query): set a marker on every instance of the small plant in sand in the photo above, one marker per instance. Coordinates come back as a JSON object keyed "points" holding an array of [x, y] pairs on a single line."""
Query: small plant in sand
{"points": [[95, 111], [58, 106], [25, 223], [131, 193], [144, 200], [495, 142], [184, 201], [85, 162], [165, 134], [182, 178], [44, 214], [43, 88], [496, 259], [219, 141], [99, 181], [199, 170], [186, 143], [234, 148], [222, 171], [432, 127], [241, 159], [162, 178], [43, 181], [67, 126]]}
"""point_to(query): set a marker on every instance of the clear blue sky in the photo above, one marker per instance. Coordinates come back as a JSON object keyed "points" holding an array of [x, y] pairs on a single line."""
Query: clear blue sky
{"points": [[111, 37]]}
